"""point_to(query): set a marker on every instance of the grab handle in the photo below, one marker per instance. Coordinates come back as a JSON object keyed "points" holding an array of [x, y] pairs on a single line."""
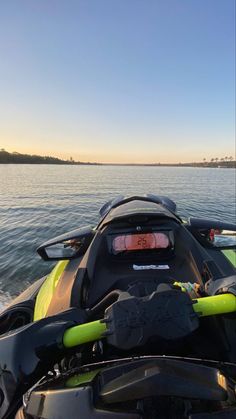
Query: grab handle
{"points": [[205, 306]]}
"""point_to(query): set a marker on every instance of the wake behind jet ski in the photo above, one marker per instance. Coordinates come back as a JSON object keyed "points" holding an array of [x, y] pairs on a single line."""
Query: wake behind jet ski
{"points": [[136, 320]]}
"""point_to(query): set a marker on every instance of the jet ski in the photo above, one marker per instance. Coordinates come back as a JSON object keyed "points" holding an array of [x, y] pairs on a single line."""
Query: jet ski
{"points": [[136, 320]]}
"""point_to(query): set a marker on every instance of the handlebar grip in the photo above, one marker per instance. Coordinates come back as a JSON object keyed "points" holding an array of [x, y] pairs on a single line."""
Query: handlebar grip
{"points": [[217, 304], [84, 333]]}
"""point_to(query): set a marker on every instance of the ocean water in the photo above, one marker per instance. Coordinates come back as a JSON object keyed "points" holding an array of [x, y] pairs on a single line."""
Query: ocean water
{"points": [[39, 202]]}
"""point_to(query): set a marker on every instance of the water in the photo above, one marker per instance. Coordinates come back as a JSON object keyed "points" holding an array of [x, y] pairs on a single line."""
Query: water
{"points": [[38, 202]]}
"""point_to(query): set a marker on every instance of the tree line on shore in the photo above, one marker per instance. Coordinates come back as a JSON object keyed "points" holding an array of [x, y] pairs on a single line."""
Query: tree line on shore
{"points": [[227, 161], [222, 159], [18, 158]]}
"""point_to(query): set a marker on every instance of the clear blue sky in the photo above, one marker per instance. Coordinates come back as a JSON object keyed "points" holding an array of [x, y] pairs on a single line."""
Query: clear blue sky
{"points": [[118, 80]]}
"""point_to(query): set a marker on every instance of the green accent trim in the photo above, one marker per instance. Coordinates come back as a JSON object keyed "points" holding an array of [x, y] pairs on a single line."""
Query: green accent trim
{"points": [[217, 304], [84, 333], [46, 291], [79, 379], [230, 254]]}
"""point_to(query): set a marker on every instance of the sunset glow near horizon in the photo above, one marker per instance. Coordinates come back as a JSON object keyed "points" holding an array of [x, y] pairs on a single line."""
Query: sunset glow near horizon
{"points": [[127, 81]]}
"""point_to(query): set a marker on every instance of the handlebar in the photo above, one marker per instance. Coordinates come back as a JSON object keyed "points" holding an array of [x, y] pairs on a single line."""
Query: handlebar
{"points": [[84, 333], [217, 304], [205, 306]]}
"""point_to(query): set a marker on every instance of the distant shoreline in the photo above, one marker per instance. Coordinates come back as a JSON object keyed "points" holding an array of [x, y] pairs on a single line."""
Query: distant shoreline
{"points": [[18, 158], [231, 165]]}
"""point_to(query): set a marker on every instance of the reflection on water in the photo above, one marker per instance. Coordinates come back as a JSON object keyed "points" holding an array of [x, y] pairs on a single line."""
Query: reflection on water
{"points": [[38, 202]]}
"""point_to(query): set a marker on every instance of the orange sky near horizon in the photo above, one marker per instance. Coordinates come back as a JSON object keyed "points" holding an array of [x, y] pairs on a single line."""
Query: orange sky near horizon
{"points": [[118, 156]]}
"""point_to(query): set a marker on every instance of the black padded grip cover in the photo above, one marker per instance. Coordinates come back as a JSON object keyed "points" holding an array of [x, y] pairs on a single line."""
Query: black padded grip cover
{"points": [[166, 313]]}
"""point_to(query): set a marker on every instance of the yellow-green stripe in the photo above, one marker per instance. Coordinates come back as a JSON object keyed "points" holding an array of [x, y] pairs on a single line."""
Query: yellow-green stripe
{"points": [[47, 289]]}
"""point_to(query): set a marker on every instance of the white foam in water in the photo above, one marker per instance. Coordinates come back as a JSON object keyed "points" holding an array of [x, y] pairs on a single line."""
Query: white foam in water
{"points": [[5, 299]]}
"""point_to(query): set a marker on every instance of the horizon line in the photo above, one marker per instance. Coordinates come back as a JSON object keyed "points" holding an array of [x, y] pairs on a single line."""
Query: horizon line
{"points": [[71, 161]]}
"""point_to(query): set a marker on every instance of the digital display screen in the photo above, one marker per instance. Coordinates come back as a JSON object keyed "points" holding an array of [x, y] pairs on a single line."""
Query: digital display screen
{"points": [[132, 242]]}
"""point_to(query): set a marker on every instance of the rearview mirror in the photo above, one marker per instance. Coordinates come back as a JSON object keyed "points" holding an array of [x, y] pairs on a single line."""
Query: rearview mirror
{"points": [[212, 233], [223, 238], [67, 246]]}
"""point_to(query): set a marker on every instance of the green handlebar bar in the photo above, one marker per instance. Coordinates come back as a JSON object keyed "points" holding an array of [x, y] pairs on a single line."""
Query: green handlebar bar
{"points": [[206, 306], [84, 333], [217, 304]]}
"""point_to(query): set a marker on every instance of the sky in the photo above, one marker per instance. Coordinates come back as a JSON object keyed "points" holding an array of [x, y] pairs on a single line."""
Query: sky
{"points": [[139, 81]]}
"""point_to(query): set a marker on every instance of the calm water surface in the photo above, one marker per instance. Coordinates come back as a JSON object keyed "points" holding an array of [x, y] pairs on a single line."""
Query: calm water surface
{"points": [[38, 202]]}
